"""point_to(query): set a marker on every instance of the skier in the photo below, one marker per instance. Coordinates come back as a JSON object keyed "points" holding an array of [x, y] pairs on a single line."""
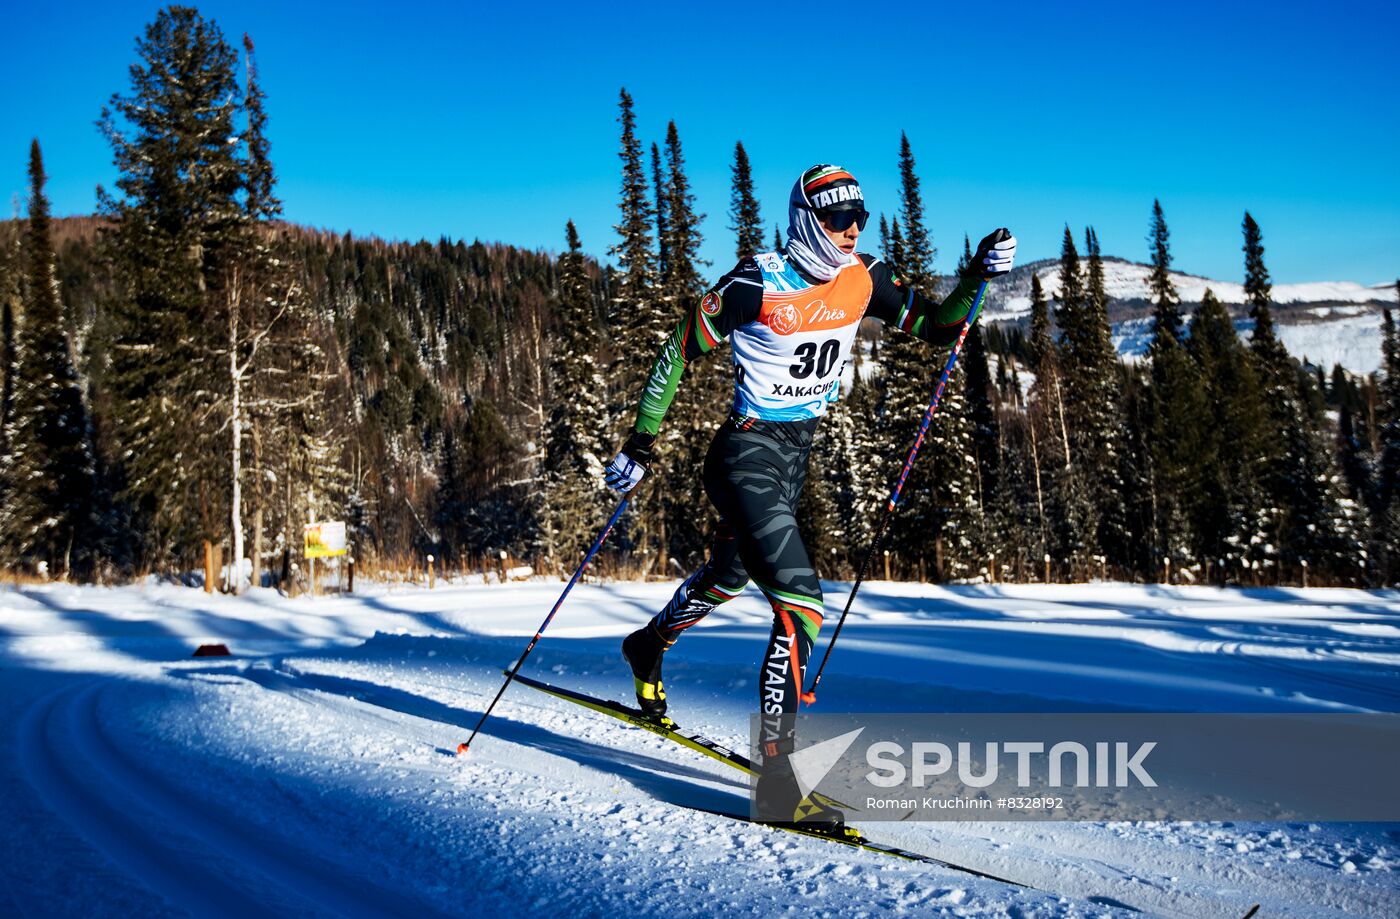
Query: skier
{"points": [[791, 317]]}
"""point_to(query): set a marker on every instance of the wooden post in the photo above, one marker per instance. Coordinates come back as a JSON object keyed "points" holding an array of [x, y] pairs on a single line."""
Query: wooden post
{"points": [[1166, 570], [992, 568], [208, 567], [1047, 567], [1305, 573], [431, 573], [256, 579], [887, 564], [350, 576]]}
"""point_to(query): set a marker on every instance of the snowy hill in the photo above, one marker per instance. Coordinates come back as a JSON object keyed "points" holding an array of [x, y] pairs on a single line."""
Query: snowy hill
{"points": [[313, 773], [1325, 321]]}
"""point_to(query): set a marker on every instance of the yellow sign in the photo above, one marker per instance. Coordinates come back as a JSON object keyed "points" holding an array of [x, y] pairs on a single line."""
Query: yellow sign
{"points": [[324, 539]]}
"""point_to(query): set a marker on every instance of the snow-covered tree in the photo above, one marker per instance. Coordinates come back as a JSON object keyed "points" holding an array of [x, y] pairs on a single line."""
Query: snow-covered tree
{"points": [[575, 437], [48, 512], [178, 226], [937, 525]]}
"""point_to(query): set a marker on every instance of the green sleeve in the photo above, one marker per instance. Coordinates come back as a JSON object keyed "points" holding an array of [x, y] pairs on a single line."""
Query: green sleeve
{"points": [[663, 381]]}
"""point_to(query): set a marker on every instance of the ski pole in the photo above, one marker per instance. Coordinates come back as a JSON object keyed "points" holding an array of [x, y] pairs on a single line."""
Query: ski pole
{"points": [[597, 544], [810, 696]]}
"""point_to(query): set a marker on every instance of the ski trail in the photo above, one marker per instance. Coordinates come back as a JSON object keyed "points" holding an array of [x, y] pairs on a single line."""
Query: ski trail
{"points": [[74, 790], [187, 852]]}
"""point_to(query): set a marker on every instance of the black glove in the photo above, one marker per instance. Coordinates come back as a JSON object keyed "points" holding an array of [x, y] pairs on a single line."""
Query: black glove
{"points": [[626, 470], [994, 255]]}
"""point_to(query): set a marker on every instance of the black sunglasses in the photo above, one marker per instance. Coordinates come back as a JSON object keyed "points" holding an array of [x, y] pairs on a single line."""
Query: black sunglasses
{"points": [[840, 220]]}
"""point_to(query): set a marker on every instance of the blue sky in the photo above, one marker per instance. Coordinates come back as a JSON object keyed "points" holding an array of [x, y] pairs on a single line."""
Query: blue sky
{"points": [[498, 121]]}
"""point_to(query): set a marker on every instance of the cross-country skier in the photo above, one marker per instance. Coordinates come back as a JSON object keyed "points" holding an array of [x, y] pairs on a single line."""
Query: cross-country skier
{"points": [[791, 318]]}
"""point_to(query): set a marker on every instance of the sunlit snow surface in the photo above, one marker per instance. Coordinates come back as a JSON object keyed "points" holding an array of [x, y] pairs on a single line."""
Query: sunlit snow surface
{"points": [[313, 773]]}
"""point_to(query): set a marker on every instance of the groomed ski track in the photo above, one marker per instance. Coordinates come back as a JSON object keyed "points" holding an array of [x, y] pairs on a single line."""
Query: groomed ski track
{"points": [[320, 780]]}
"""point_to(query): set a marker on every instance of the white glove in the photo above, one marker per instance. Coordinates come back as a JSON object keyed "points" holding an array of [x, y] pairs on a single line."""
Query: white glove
{"points": [[626, 470], [994, 255]]}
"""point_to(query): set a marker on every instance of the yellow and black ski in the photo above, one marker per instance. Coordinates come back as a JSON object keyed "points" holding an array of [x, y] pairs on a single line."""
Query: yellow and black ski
{"points": [[635, 717]]}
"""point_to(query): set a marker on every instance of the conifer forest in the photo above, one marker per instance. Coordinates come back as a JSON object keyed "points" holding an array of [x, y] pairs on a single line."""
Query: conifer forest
{"points": [[185, 368]]}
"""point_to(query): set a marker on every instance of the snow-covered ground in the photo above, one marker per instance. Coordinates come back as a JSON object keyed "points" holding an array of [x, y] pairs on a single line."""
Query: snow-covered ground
{"points": [[1124, 280], [313, 772]]}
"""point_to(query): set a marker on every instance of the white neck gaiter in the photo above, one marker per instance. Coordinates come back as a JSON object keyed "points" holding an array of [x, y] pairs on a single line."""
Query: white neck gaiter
{"points": [[808, 245]]}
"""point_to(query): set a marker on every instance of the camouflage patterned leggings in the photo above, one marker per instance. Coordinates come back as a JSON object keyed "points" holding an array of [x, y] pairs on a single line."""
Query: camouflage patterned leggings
{"points": [[754, 473]]}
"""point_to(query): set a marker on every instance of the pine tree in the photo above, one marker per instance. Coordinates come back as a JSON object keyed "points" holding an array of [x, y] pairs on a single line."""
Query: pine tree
{"points": [[1076, 389], [1046, 436], [663, 230], [574, 446], [981, 415], [281, 381], [1229, 517], [178, 228], [1040, 344], [1175, 409], [1257, 288], [638, 326], [938, 525], [9, 369], [637, 323], [743, 207], [777, 239], [1167, 312], [50, 509], [702, 401], [1384, 544]]}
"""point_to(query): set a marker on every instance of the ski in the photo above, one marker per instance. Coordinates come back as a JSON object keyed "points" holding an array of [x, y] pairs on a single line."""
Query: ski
{"points": [[858, 841], [635, 717], [715, 750]]}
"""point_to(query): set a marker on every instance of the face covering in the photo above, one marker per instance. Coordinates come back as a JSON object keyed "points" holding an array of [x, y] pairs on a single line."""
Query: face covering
{"points": [[808, 245]]}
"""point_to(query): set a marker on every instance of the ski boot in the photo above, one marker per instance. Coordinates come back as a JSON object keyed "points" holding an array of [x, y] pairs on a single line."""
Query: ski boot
{"points": [[643, 650], [778, 800]]}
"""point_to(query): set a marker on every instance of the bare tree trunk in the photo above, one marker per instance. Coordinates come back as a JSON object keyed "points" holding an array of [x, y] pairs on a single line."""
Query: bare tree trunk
{"points": [[1039, 495], [1064, 431], [257, 507]]}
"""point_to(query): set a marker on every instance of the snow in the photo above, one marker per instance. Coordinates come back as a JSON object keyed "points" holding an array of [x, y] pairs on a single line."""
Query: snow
{"points": [[1129, 281], [1352, 341], [313, 773]]}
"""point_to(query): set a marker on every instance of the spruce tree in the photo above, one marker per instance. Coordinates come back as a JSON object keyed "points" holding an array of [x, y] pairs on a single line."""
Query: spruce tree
{"points": [[1076, 389], [1175, 409], [283, 383], [743, 207], [1166, 303], [574, 437], [1045, 440], [9, 371], [50, 509], [177, 228], [1040, 344], [638, 326], [777, 239], [1385, 528], [981, 415], [702, 401], [662, 189], [938, 526], [1230, 516]]}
